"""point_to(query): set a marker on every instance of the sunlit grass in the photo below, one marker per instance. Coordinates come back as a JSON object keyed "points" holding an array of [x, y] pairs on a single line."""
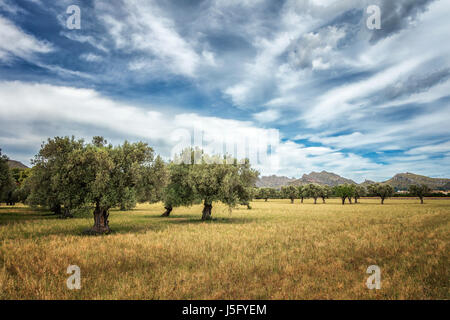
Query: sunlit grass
{"points": [[277, 250]]}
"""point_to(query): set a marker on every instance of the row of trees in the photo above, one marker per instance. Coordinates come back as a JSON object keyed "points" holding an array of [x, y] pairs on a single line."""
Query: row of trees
{"points": [[69, 174], [343, 191]]}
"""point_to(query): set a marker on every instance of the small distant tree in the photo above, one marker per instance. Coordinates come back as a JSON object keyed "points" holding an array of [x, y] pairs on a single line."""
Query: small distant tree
{"points": [[419, 191], [6, 178], [289, 192], [264, 193], [313, 191], [325, 192], [247, 180], [344, 191], [301, 193], [381, 190], [359, 192], [274, 193]]}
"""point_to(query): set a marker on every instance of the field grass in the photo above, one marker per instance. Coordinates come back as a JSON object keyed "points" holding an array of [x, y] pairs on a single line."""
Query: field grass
{"points": [[277, 250]]}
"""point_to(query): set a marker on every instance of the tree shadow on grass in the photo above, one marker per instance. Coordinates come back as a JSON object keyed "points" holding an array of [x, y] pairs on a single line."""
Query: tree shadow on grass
{"points": [[79, 225]]}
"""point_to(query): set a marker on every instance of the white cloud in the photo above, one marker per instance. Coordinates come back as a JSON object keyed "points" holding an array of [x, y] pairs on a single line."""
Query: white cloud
{"points": [[15, 43], [90, 57], [147, 29], [434, 148], [42, 110], [269, 115]]}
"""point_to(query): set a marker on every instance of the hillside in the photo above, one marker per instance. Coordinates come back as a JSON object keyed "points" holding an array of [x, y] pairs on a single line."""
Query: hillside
{"points": [[323, 178], [273, 181], [402, 181], [16, 164]]}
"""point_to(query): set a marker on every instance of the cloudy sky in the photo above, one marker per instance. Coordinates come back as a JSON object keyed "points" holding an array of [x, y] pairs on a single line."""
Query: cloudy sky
{"points": [[308, 76]]}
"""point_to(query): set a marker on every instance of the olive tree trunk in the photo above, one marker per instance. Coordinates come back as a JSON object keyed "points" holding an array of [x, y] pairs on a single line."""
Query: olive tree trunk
{"points": [[206, 214], [421, 200], [101, 223], [167, 212], [343, 201]]}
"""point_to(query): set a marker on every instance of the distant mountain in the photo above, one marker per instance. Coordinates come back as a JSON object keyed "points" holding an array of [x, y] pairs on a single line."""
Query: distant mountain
{"points": [[402, 181], [323, 178], [367, 183], [16, 164], [273, 181]]}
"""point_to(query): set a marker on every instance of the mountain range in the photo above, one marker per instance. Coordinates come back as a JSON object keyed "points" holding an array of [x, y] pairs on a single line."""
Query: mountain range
{"points": [[400, 181], [16, 164]]}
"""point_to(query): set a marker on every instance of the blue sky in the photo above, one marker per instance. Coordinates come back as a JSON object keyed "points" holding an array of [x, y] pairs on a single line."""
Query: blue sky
{"points": [[306, 77]]}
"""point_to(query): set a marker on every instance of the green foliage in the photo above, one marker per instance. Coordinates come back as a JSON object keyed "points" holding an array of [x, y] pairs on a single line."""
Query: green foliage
{"points": [[325, 192], [202, 177], [381, 190], [7, 184], [344, 191], [313, 191], [419, 191], [360, 191], [289, 192], [54, 181]]}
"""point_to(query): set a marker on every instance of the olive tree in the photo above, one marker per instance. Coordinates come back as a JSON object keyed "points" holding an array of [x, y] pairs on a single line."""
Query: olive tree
{"points": [[313, 191], [6, 179], [360, 191], [111, 175], [301, 193], [344, 191], [245, 188], [381, 190], [208, 179], [289, 192], [54, 182], [419, 191], [264, 193], [325, 192]]}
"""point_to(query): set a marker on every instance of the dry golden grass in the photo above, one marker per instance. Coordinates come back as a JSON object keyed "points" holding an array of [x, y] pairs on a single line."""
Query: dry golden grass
{"points": [[277, 250]]}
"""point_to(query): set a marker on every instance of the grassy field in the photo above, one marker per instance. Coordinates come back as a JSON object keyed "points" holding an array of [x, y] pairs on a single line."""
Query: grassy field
{"points": [[277, 250]]}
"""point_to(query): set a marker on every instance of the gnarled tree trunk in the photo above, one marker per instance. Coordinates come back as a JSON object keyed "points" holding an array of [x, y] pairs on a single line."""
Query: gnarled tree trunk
{"points": [[292, 200], [167, 212], [350, 200], [343, 201], [382, 200], [301, 200], [421, 200], [323, 200], [356, 199], [206, 214], [315, 200], [101, 223]]}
